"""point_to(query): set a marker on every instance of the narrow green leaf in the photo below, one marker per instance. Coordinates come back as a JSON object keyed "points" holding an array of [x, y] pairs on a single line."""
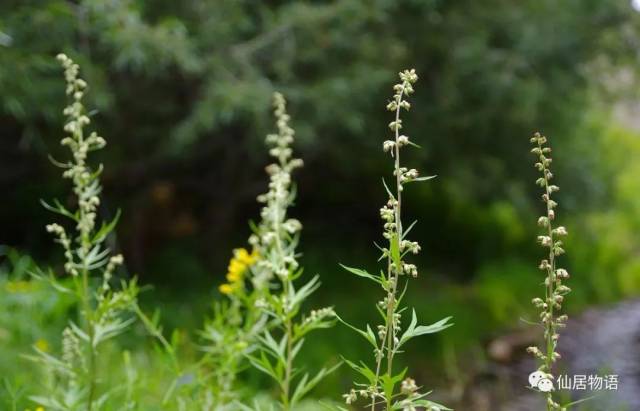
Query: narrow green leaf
{"points": [[106, 229], [263, 364], [394, 249], [368, 335], [407, 230], [304, 387], [58, 209], [570, 404], [362, 273], [389, 382], [384, 183], [363, 370], [427, 178]]}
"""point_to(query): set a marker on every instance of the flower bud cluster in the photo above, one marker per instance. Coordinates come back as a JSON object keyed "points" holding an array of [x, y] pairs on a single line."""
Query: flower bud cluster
{"points": [[412, 397], [390, 212], [276, 239], [63, 239], [317, 316], [81, 252], [276, 231], [114, 262], [352, 396], [85, 184], [71, 351]]}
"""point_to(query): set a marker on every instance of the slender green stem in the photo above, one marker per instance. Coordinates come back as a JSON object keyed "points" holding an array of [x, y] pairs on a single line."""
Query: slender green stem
{"points": [[91, 333], [156, 333], [286, 287], [549, 291], [397, 238], [392, 274], [289, 365], [85, 244]]}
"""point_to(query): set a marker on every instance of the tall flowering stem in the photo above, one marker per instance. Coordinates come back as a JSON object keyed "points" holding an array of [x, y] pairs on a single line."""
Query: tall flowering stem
{"points": [[276, 239], [103, 310], [380, 387], [555, 290]]}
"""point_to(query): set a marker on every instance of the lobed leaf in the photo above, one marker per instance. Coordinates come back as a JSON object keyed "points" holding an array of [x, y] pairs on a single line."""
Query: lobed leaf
{"points": [[414, 331]]}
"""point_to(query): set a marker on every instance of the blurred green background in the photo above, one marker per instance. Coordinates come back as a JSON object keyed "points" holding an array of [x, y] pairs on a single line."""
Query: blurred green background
{"points": [[181, 92]]}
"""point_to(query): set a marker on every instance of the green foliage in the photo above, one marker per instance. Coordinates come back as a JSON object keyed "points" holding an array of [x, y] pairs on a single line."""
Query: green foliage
{"points": [[228, 337], [31, 315], [504, 288], [508, 72], [608, 234]]}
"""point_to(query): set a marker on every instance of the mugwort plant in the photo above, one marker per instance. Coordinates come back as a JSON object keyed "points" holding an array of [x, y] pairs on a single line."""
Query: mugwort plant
{"points": [[554, 290], [276, 239], [383, 385], [105, 309]]}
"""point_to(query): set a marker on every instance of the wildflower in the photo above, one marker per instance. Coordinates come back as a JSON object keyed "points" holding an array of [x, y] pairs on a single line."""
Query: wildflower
{"points": [[408, 386], [236, 270], [238, 265], [242, 255], [388, 145], [544, 240], [560, 231], [226, 288], [350, 397]]}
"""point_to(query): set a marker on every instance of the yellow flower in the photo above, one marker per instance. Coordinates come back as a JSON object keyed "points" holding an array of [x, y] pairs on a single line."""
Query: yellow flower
{"points": [[243, 256], [43, 346], [226, 288], [40, 409], [238, 266], [234, 276]]}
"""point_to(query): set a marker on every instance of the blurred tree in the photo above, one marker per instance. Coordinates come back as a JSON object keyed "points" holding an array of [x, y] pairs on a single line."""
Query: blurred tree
{"points": [[182, 90]]}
